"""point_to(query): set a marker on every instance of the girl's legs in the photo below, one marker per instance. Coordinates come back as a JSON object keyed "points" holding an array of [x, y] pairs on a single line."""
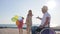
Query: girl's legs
{"points": [[21, 31]]}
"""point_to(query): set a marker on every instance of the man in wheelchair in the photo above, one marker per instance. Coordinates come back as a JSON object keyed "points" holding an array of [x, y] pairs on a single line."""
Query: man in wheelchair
{"points": [[45, 21]]}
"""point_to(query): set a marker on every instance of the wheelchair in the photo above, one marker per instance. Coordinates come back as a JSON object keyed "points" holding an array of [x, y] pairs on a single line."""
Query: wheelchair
{"points": [[47, 31]]}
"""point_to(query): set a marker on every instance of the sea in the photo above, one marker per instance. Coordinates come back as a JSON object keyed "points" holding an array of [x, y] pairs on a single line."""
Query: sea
{"points": [[24, 26], [15, 26]]}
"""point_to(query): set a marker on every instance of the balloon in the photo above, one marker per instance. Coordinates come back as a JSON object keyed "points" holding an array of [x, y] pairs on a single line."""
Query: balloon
{"points": [[17, 22], [20, 18], [15, 18]]}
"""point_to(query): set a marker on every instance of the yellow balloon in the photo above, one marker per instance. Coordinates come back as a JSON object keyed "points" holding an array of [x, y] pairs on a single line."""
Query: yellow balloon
{"points": [[16, 16]]}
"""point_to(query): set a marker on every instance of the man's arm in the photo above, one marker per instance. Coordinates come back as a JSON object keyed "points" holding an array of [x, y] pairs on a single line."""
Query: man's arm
{"points": [[39, 18], [47, 21]]}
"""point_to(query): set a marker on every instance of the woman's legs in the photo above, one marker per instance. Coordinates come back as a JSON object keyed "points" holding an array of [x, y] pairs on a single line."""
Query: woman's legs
{"points": [[28, 29]]}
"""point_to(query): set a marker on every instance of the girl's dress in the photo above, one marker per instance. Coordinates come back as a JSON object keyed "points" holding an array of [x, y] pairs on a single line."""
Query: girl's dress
{"points": [[19, 24]]}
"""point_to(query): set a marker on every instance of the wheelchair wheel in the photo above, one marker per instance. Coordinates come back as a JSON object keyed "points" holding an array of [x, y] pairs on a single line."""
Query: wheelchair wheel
{"points": [[47, 31]]}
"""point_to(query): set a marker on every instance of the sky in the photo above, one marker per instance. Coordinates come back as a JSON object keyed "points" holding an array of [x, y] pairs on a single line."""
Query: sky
{"points": [[10, 8]]}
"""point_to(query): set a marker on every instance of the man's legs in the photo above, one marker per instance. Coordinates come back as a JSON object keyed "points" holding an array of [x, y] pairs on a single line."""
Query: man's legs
{"points": [[33, 30], [38, 30]]}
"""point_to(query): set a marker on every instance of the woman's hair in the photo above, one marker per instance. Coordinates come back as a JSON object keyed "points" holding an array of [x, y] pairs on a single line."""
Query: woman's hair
{"points": [[30, 13]]}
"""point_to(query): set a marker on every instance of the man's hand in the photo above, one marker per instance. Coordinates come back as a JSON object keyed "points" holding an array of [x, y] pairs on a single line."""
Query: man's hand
{"points": [[39, 18], [40, 26]]}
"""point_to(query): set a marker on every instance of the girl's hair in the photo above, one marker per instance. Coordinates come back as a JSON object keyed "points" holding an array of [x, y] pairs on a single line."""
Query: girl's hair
{"points": [[22, 17]]}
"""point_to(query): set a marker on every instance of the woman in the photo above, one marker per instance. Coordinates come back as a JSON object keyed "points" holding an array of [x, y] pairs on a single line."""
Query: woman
{"points": [[29, 21]]}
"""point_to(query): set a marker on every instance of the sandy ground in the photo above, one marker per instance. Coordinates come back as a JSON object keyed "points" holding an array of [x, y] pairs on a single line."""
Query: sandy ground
{"points": [[13, 31]]}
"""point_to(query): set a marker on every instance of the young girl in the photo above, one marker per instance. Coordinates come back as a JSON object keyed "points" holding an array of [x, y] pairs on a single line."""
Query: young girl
{"points": [[29, 21], [19, 23]]}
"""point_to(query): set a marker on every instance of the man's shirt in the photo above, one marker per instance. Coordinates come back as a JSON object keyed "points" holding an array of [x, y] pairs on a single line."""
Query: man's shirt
{"points": [[44, 19]]}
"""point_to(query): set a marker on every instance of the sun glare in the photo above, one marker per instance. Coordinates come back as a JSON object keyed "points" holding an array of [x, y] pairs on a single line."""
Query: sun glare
{"points": [[51, 4]]}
